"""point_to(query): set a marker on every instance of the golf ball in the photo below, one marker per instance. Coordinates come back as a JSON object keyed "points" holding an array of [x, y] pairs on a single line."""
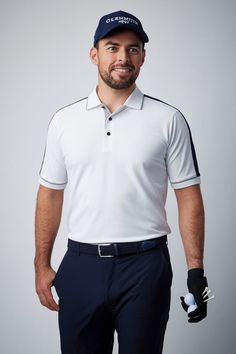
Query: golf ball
{"points": [[192, 308], [189, 299]]}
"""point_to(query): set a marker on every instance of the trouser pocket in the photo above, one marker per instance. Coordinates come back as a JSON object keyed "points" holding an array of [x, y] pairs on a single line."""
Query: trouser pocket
{"points": [[60, 268], [166, 254]]}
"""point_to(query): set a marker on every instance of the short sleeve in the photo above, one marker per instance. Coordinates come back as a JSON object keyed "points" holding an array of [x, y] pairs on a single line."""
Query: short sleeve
{"points": [[181, 160], [53, 170]]}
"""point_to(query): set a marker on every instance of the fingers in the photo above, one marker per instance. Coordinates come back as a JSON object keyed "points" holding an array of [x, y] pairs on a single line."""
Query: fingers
{"points": [[44, 282], [197, 318], [194, 315], [185, 307], [47, 300], [197, 315]]}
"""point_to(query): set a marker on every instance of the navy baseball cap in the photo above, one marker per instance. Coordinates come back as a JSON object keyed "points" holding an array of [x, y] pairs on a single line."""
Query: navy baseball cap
{"points": [[119, 19]]}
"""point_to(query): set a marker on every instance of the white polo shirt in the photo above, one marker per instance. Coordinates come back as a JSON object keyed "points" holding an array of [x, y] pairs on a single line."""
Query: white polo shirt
{"points": [[117, 165]]}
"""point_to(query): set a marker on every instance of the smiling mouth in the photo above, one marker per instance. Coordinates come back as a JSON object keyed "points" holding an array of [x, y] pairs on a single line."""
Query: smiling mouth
{"points": [[122, 70]]}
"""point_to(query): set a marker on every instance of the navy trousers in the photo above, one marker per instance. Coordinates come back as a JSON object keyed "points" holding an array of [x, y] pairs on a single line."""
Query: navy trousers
{"points": [[129, 294]]}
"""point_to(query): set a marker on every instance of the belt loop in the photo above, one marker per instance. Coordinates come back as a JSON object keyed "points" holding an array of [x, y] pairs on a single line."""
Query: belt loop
{"points": [[116, 249]]}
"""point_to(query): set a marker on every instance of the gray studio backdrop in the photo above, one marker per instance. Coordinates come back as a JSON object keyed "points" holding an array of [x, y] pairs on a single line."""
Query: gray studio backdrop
{"points": [[44, 65]]}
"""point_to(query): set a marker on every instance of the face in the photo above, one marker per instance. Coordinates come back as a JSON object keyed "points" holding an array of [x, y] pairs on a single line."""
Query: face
{"points": [[119, 58]]}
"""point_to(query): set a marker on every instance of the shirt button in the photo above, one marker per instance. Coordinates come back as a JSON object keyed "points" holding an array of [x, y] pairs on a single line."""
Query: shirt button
{"points": [[108, 133]]}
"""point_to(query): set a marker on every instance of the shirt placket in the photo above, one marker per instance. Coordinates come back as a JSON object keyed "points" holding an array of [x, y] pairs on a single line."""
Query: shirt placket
{"points": [[109, 127], [108, 130]]}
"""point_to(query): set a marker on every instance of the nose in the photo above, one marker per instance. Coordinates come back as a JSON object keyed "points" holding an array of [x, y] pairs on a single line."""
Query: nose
{"points": [[123, 56]]}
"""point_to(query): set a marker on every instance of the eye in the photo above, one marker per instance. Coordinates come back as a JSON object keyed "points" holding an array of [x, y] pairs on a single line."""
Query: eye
{"points": [[134, 50], [111, 49]]}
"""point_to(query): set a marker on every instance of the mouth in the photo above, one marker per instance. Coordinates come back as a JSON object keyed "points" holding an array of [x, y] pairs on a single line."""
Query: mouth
{"points": [[122, 69]]}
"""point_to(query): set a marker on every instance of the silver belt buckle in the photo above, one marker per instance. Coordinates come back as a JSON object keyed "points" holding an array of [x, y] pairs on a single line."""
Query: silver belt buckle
{"points": [[99, 250]]}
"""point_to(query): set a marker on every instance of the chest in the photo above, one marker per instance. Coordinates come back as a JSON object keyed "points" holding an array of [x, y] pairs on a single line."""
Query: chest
{"points": [[132, 137]]}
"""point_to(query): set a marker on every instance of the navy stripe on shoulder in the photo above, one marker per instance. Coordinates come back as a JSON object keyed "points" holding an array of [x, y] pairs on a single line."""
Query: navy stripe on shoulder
{"points": [[190, 134], [156, 99], [70, 104], [193, 149], [41, 167]]}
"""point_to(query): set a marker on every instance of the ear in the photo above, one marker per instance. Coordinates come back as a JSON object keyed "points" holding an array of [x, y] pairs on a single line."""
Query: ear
{"points": [[94, 55]]}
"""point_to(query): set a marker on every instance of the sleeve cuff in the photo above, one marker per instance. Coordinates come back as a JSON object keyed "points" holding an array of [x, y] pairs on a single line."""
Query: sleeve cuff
{"points": [[186, 183], [51, 185]]}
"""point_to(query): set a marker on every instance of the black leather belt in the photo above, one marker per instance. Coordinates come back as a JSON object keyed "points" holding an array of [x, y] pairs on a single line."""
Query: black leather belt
{"points": [[116, 249]]}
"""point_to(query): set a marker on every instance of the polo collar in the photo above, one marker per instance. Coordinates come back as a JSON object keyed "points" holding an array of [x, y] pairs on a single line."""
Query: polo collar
{"points": [[135, 100]]}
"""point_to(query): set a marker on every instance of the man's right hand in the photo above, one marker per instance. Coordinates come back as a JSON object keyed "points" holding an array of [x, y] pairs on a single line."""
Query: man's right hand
{"points": [[43, 283]]}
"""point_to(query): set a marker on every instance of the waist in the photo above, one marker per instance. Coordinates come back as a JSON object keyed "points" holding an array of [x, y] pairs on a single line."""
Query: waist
{"points": [[116, 249]]}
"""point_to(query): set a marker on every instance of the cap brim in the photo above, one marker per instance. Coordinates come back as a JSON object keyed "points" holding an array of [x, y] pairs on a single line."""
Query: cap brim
{"points": [[143, 36]]}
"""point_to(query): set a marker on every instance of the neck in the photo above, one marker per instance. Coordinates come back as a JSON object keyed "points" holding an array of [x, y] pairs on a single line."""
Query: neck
{"points": [[113, 98]]}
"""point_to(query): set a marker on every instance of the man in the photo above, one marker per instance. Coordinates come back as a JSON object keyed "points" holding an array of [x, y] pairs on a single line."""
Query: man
{"points": [[116, 150]]}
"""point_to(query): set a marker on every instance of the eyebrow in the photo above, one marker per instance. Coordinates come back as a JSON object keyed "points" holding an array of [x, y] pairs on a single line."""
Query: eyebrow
{"points": [[118, 44]]}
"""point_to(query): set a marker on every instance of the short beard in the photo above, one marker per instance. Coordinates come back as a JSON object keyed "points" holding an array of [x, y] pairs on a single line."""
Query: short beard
{"points": [[117, 85]]}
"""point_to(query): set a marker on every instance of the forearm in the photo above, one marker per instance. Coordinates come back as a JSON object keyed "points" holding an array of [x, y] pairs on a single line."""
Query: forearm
{"points": [[47, 221], [191, 224]]}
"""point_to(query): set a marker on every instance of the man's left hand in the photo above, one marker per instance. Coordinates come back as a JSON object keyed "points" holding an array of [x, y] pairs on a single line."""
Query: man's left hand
{"points": [[196, 283]]}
